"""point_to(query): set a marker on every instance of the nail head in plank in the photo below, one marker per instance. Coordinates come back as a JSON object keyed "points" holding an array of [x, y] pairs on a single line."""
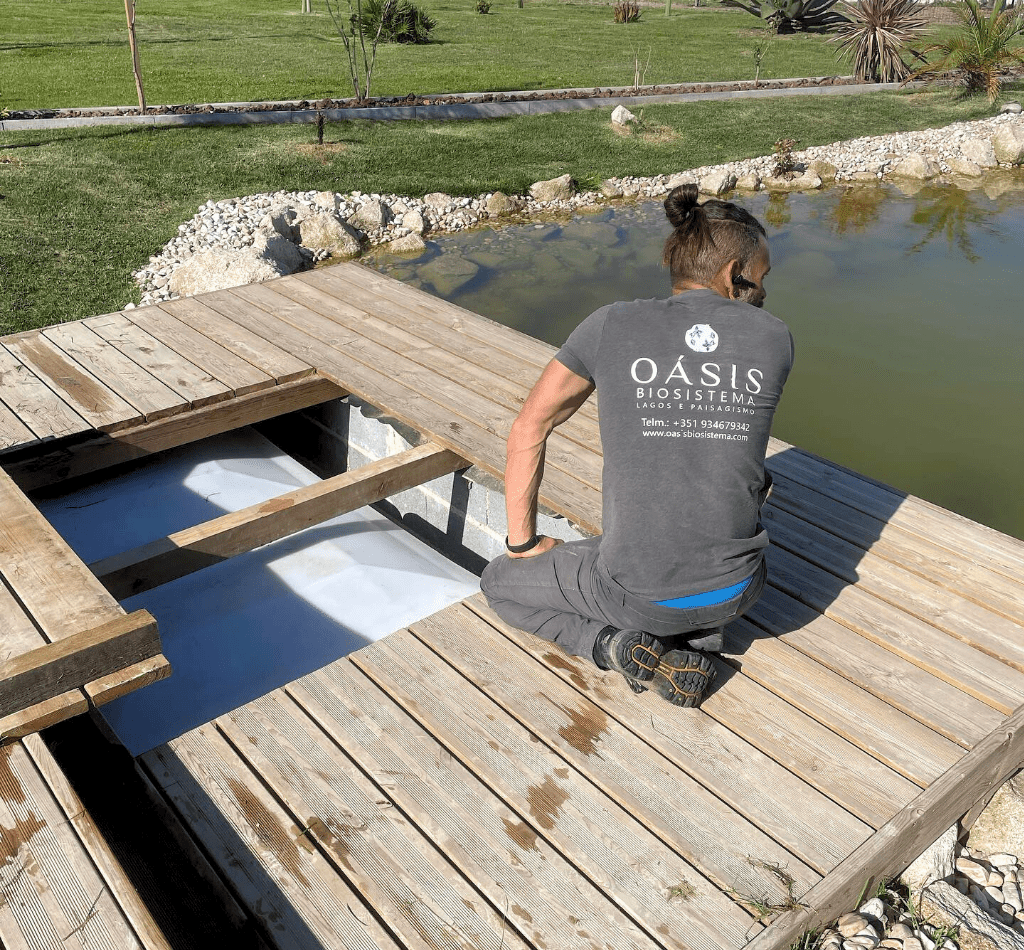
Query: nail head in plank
{"points": [[72, 661], [126, 378], [194, 548], [102, 408], [34, 403]]}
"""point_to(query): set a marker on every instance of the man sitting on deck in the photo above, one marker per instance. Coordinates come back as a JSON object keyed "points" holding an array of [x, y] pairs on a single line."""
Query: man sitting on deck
{"points": [[688, 388]]}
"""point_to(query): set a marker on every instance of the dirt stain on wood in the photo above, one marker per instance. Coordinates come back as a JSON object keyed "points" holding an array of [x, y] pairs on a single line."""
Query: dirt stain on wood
{"points": [[584, 729], [522, 913], [560, 662], [9, 783], [544, 801], [521, 833], [269, 830], [334, 841]]}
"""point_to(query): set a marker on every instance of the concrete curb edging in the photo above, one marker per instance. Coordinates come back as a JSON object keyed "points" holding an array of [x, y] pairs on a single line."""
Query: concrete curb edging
{"points": [[458, 110]]}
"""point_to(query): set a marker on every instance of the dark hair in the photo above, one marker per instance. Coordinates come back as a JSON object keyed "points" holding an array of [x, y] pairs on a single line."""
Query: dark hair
{"points": [[707, 236]]}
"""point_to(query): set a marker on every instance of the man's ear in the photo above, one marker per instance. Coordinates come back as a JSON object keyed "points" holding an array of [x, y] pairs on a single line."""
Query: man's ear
{"points": [[725, 279]]}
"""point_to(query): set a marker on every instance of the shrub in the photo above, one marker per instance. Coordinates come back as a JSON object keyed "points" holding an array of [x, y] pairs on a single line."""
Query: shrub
{"points": [[483, 6], [877, 37], [793, 16], [979, 54], [785, 164], [626, 12], [399, 21]]}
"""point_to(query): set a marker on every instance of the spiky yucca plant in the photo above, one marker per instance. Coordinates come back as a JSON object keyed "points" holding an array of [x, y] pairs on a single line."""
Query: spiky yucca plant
{"points": [[877, 37], [791, 16], [978, 56]]}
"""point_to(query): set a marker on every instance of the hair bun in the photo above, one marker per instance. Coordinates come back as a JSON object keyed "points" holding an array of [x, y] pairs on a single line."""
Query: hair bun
{"points": [[681, 204]]}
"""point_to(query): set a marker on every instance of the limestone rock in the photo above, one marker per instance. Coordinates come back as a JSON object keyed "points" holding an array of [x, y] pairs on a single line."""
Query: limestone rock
{"points": [[805, 182], [279, 251], [371, 216], [1008, 144], [682, 178], [500, 204], [979, 151], [327, 200], [717, 183], [749, 182], [964, 166], [554, 189], [621, 116], [983, 930], [414, 221], [918, 166], [448, 273], [610, 190], [410, 244], [326, 231], [1012, 108], [218, 269], [851, 924], [438, 201], [935, 864], [826, 171], [280, 221], [1000, 827]]}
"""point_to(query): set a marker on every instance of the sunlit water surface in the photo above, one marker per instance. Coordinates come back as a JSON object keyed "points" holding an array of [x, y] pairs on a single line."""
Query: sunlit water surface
{"points": [[907, 311]]}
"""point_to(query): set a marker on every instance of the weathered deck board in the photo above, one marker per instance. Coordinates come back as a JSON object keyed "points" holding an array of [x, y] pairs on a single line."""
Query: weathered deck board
{"points": [[38, 407]]}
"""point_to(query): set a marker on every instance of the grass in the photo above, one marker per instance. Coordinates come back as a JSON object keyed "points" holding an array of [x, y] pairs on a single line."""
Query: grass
{"points": [[75, 52], [81, 209]]}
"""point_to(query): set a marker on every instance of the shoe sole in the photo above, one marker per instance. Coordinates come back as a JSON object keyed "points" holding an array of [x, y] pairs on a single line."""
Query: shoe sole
{"points": [[644, 651], [683, 678]]}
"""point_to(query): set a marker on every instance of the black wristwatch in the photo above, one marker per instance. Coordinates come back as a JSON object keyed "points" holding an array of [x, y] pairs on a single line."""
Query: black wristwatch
{"points": [[524, 547]]}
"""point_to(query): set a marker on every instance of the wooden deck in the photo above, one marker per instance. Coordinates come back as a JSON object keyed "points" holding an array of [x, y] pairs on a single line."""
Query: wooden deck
{"points": [[462, 784]]}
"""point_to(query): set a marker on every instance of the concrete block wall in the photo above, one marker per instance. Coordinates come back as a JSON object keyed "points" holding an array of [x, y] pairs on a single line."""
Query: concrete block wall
{"points": [[461, 515]]}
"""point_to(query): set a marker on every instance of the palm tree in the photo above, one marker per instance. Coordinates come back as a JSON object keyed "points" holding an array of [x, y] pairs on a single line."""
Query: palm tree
{"points": [[877, 35], [977, 56]]}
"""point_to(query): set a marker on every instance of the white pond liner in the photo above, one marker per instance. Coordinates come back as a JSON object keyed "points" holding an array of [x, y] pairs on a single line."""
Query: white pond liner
{"points": [[241, 628]]}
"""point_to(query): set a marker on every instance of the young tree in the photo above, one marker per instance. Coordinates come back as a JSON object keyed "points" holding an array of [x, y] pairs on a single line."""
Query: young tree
{"points": [[129, 11], [360, 62]]}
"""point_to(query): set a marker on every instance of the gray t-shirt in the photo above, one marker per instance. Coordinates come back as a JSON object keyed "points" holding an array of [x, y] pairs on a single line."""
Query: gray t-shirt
{"points": [[688, 387]]}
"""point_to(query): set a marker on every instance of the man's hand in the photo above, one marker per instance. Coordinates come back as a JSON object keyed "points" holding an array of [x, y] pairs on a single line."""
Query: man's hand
{"points": [[541, 547]]}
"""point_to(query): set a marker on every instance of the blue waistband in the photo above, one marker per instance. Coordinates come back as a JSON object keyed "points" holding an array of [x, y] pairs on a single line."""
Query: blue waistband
{"points": [[708, 598]]}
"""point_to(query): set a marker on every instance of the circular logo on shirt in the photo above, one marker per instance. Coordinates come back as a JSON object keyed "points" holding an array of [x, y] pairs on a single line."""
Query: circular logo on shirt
{"points": [[701, 338]]}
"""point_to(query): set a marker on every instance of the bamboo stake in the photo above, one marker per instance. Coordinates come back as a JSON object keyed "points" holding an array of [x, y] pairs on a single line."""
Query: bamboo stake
{"points": [[129, 11]]}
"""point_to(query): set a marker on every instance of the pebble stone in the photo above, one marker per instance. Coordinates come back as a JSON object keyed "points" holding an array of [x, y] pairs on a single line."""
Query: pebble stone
{"points": [[234, 222]]}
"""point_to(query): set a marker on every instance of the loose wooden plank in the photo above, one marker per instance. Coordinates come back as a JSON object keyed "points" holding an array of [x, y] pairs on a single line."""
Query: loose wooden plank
{"points": [[282, 879], [117, 881], [96, 403], [911, 830], [123, 376], [251, 347], [43, 715], [637, 871], [396, 871], [74, 660], [894, 679], [194, 548], [238, 374], [757, 753], [374, 385], [13, 432], [42, 470], [46, 874], [957, 663], [114, 685], [460, 814], [891, 736], [460, 369], [34, 403], [585, 729], [983, 629], [189, 381]]}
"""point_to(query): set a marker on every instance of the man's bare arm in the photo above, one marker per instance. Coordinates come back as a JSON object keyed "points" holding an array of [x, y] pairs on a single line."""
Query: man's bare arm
{"points": [[556, 396]]}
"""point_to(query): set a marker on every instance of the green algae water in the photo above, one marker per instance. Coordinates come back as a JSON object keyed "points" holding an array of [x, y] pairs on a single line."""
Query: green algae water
{"points": [[907, 311]]}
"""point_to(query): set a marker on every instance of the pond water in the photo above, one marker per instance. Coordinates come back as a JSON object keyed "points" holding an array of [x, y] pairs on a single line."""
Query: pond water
{"points": [[906, 309]]}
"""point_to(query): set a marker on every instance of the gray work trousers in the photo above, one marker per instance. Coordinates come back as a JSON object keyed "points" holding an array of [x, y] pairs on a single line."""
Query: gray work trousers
{"points": [[567, 596]]}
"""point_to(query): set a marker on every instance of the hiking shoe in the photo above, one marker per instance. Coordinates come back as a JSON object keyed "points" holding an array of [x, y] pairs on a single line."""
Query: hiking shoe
{"points": [[634, 653], [711, 640], [683, 677]]}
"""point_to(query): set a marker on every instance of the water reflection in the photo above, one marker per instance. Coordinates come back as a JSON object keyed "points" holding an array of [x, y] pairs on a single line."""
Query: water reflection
{"points": [[908, 344]]}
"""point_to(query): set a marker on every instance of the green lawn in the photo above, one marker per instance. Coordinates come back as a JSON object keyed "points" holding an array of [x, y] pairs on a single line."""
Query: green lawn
{"points": [[75, 52], [81, 209]]}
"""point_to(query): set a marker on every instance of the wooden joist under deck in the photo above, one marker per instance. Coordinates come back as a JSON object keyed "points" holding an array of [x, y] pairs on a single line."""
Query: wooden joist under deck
{"points": [[462, 784]]}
